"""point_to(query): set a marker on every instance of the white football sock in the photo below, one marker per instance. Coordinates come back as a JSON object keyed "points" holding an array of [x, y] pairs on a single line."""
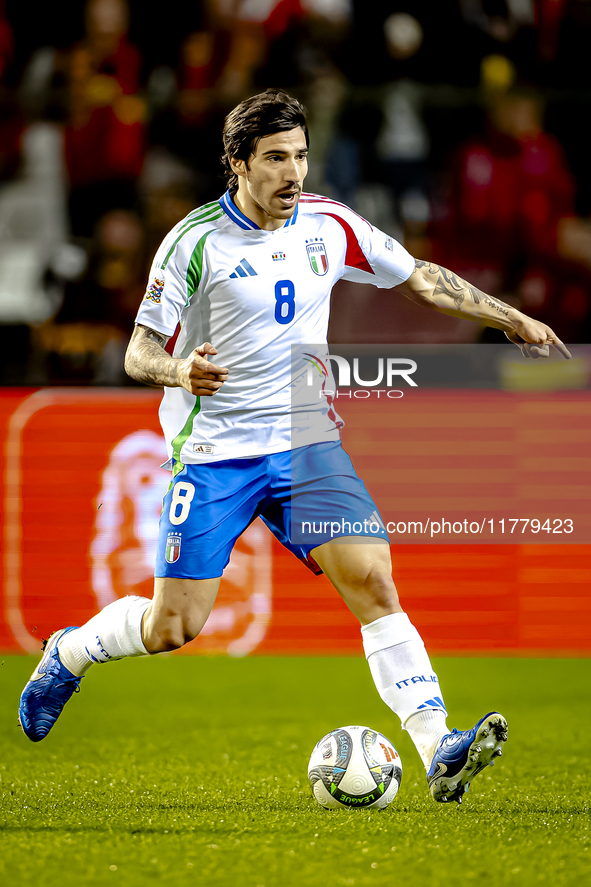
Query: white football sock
{"points": [[405, 679], [426, 729], [114, 633]]}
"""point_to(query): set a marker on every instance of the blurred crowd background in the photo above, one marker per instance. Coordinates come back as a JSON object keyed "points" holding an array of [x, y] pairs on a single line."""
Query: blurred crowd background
{"points": [[455, 125]]}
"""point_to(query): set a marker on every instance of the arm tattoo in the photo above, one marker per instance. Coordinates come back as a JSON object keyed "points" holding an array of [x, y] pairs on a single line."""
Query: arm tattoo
{"points": [[147, 361], [449, 284], [493, 302]]}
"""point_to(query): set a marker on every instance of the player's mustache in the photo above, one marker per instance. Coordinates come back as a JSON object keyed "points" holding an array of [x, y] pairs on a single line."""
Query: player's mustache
{"points": [[294, 189]]}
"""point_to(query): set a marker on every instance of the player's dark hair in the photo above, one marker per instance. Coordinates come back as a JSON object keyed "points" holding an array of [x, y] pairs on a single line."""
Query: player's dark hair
{"points": [[259, 116]]}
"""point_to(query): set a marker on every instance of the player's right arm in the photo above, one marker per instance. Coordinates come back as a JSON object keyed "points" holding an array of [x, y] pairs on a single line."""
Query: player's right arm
{"points": [[147, 361]]}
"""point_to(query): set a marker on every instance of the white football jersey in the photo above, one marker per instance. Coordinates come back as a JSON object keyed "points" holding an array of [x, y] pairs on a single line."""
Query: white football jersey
{"points": [[262, 298]]}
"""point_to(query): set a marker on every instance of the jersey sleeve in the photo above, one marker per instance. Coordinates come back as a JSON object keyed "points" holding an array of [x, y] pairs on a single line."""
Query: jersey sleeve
{"points": [[166, 292], [371, 256], [389, 262]]}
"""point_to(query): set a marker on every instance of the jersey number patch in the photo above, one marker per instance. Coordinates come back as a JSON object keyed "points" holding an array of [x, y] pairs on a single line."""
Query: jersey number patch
{"points": [[284, 301]]}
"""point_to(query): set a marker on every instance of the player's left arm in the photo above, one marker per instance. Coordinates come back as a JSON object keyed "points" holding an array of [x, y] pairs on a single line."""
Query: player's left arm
{"points": [[435, 287]]}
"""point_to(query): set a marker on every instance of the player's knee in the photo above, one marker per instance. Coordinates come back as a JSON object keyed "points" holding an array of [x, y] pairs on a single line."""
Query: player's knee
{"points": [[379, 585], [173, 632]]}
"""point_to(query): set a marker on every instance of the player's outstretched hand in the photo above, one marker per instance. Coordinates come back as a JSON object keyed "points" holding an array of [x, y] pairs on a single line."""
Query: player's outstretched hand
{"points": [[534, 338], [198, 375]]}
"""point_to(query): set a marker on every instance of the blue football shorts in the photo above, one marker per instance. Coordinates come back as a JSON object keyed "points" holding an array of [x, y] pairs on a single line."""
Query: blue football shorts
{"points": [[305, 496]]}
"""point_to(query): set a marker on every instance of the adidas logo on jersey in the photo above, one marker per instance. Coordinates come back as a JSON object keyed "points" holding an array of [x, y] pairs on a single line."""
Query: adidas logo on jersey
{"points": [[243, 269]]}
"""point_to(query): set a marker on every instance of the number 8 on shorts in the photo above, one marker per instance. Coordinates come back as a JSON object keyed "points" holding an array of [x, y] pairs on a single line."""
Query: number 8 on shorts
{"points": [[180, 504]]}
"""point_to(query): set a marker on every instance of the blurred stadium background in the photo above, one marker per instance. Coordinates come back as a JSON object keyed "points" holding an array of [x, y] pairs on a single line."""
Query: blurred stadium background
{"points": [[457, 126]]}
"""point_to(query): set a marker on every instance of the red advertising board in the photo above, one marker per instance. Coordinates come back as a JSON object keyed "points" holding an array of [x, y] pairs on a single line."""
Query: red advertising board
{"points": [[82, 491]]}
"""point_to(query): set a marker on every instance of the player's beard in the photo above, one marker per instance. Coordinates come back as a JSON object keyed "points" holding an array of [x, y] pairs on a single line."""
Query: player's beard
{"points": [[269, 203], [289, 207]]}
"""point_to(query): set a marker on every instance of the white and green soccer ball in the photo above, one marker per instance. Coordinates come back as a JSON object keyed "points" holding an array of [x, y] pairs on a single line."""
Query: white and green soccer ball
{"points": [[355, 767]]}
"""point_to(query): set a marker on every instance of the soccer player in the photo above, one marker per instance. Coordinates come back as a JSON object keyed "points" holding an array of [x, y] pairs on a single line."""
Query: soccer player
{"points": [[253, 273]]}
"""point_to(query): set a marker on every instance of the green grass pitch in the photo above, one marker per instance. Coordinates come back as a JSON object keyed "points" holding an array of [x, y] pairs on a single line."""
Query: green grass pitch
{"points": [[192, 771]]}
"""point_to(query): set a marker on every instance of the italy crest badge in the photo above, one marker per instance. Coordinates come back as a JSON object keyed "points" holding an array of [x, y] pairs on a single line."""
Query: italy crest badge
{"points": [[173, 548], [317, 256]]}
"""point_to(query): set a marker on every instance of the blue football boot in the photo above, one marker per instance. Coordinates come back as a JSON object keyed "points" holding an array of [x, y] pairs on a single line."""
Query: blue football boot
{"points": [[461, 755], [47, 691]]}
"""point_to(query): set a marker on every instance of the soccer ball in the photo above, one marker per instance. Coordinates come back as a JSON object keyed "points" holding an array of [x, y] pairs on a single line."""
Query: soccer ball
{"points": [[355, 767]]}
